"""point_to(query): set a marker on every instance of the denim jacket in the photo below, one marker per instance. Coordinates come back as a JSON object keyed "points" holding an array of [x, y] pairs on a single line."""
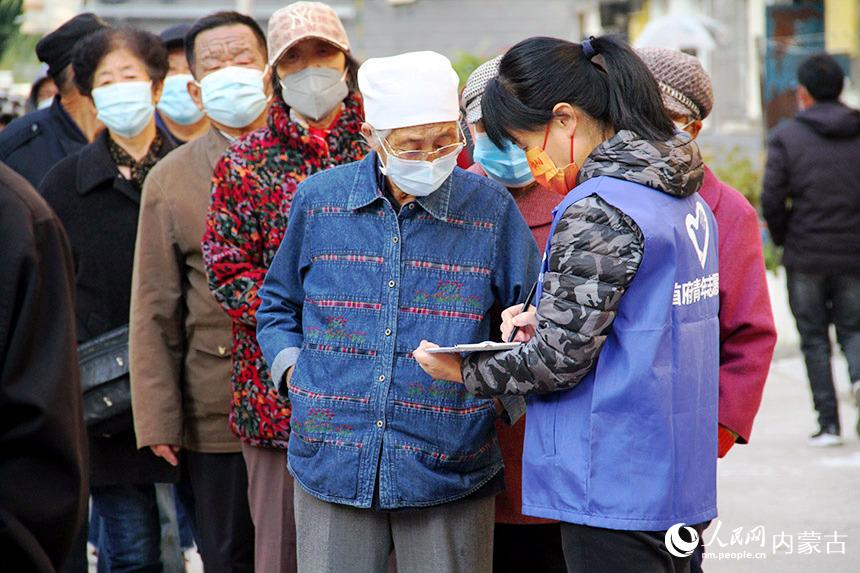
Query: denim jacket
{"points": [[353, 289]]}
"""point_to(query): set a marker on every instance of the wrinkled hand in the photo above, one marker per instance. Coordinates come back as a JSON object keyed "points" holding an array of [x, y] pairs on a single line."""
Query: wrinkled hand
{"points": [[439, 366], [526, 321], [167, 452]]}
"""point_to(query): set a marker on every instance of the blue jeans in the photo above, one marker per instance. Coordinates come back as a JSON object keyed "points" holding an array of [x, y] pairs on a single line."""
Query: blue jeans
{"points": [[130, 531], [817, 301]]}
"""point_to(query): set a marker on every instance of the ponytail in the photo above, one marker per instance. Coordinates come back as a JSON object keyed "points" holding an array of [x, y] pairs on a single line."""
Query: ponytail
{"points": [[602, 76], [635, 102]]}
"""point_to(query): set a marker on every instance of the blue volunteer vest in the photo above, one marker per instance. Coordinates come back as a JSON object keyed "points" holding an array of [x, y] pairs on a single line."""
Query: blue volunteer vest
{"points": [[634, 445]]}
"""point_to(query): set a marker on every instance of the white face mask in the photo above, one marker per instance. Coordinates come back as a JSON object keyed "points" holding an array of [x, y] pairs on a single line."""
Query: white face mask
{"points": [[419, 178], [43, 103], [314, 92], [234, 96], [126, 108]]}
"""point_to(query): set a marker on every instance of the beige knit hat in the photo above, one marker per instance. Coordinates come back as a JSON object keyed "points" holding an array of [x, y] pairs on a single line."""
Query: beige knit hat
{"points": [[686, 87], [300, 21]]}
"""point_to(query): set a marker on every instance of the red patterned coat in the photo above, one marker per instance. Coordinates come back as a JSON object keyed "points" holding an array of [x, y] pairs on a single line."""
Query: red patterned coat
{"points": [[252, 189]]}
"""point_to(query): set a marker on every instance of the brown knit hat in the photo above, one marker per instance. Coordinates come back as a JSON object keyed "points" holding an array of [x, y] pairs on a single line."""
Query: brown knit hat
{"points": [[685, 85]]}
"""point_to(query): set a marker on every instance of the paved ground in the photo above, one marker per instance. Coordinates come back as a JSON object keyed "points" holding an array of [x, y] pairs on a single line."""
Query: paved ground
{"points": [[797, 494]]}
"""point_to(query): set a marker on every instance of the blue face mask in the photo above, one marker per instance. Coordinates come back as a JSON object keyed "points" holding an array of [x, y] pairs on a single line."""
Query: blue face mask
{"points": [[175, 102], [125, 107], [507, 166], [234, 96]]}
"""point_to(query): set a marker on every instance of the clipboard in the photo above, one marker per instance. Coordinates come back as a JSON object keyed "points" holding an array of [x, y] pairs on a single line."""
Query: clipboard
{"points": [[487, 346]]}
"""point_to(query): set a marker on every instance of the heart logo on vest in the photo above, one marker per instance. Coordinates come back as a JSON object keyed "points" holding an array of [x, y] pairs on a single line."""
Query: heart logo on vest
{"points": [[695, 224]]}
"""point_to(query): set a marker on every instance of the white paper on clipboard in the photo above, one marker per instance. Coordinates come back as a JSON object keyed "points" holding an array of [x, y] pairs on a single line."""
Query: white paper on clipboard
{"points": [[477, 347]]}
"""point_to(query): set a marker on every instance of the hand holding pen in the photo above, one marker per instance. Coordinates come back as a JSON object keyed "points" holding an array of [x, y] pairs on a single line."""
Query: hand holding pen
{"points": [[519, 322]]}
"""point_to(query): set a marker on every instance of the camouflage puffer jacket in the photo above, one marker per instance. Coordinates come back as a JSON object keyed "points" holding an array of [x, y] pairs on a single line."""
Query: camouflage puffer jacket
{"points": [[595, 253]]}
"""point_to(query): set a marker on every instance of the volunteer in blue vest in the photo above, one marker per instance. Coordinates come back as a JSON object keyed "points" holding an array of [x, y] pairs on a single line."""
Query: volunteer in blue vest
{"points": [[620, 358]]}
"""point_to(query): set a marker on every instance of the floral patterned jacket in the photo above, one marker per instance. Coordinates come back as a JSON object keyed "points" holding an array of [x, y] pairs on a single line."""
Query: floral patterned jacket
{"points": [[252, 189]]}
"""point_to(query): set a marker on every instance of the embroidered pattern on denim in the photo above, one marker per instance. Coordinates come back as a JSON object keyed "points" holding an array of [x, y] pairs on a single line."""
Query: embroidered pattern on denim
{"points": [[443, 390], [447, 292], [335, 331], [320, 421]]}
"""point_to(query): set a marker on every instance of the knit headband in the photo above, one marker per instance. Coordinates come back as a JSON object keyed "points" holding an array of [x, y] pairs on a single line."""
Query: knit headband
{"points": [[681, 98]]}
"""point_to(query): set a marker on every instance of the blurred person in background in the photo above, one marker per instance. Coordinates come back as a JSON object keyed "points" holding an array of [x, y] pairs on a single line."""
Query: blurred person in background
{"points": [[6, 119], [43, 468], [811, 202], [313, 123], [176, 113], [520, 542], [96, 194], [35, 143], [42, 94], [180, 336]]}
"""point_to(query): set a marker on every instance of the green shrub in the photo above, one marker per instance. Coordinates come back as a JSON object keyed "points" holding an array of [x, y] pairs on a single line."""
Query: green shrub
{"points": [[736, 169], [465, 63]]}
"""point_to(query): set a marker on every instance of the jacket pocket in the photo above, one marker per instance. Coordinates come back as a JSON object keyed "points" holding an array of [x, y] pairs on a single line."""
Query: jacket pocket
{"points": [[426, 473], [208, 372], [327, 466]]}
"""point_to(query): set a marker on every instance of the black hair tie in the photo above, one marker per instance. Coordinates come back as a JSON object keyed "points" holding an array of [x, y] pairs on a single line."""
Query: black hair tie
{"points": [[587, 49]]}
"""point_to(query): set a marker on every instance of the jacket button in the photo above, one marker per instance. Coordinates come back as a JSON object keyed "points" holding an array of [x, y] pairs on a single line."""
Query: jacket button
{"points": [[387, 332], [395, 240], [379, 423], [412, 206], [391, 284], [222, 350], [381, 378]]}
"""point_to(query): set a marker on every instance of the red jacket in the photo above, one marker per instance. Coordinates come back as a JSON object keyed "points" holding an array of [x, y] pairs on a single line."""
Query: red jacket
{"points": [[252, 190], [536, 207], [747, 331]]}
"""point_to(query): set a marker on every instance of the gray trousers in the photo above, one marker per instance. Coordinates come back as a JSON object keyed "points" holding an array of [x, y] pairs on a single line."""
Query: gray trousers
{"points": [[456, 537]]}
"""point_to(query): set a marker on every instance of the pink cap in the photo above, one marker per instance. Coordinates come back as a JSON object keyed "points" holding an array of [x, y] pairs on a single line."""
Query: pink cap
{"points": [[300, 21]]}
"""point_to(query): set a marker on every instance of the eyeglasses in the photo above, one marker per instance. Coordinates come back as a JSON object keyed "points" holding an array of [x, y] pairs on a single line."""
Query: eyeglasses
{"points": [[423, 154]]}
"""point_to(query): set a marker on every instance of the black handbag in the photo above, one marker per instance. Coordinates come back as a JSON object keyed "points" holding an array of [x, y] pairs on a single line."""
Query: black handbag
{"points": [[105, 383]]}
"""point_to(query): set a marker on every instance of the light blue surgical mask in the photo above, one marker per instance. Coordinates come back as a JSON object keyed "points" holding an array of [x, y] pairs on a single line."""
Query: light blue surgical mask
{"points": [[234, 96], [507, 166], [419, 178], [175, 101], [125, 107]]}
